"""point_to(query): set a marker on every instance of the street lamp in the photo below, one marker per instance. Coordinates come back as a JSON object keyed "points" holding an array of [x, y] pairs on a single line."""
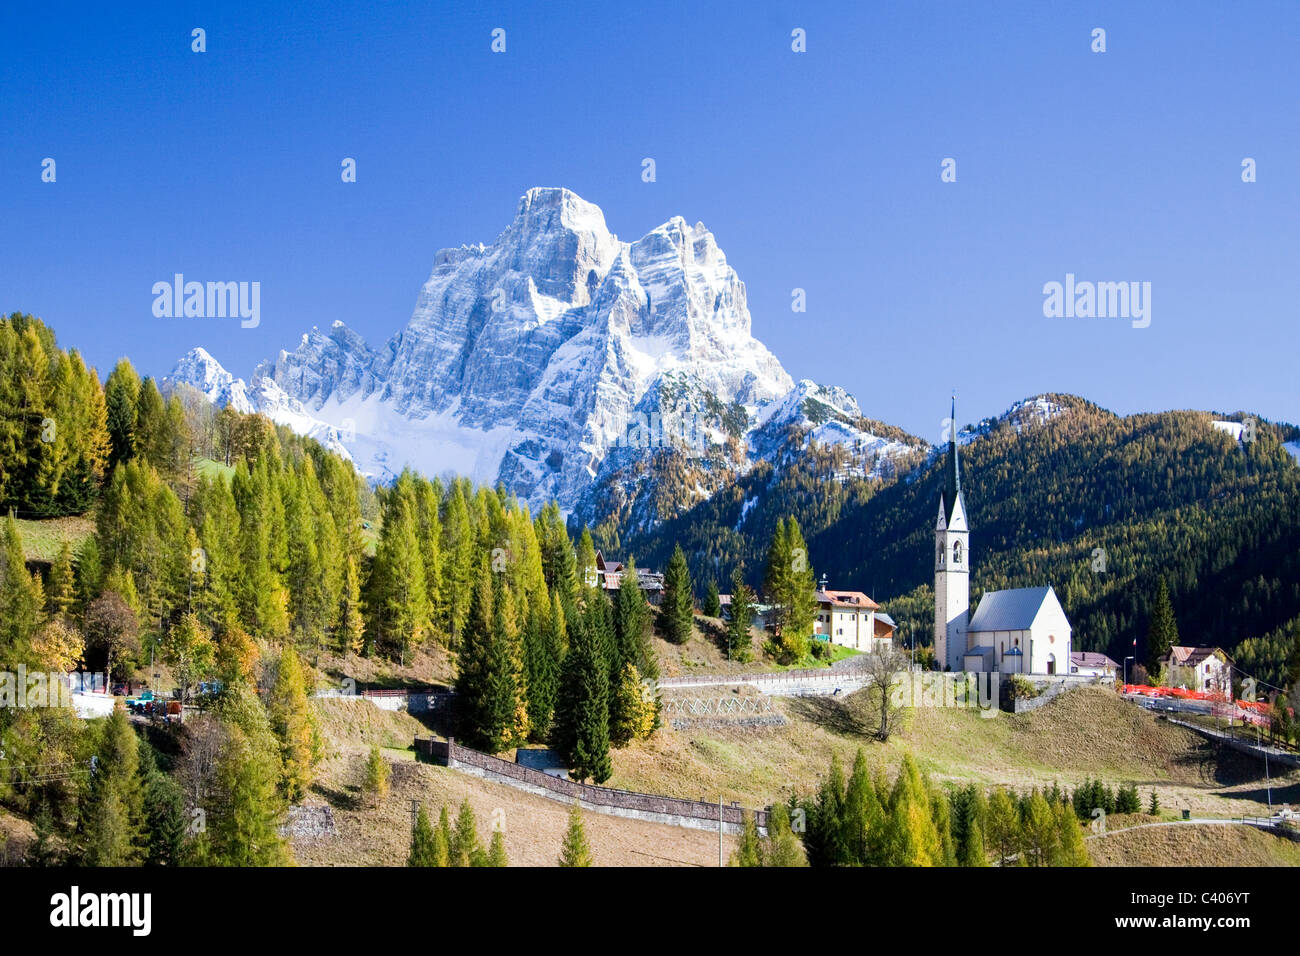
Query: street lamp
{"points": [[1126, 660]]}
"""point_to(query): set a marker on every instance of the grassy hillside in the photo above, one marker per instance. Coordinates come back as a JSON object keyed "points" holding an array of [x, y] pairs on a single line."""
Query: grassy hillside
{"points": [[42, 540], [1086, 733], [1193, 845], [534, 826]]}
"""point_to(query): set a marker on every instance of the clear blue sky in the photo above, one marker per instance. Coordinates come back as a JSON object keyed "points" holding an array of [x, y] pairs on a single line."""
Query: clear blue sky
{"points": [[817, 170]]}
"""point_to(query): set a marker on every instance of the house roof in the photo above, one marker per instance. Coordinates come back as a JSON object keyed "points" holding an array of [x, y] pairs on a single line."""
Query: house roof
{"points": [[855, 599], [1190, 656], [1012, 610], [1091, 659], [604, 565], [885, 619]]}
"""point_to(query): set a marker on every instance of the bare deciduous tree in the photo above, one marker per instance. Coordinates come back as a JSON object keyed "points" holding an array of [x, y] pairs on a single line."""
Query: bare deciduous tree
{"points": [[886, 668]]}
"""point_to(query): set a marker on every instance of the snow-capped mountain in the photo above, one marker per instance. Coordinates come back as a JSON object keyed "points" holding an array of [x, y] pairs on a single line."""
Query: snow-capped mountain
{"points": [[200, 370], [553, 358]]}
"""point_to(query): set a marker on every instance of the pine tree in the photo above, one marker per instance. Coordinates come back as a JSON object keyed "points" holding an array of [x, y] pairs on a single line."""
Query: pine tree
{"points": [[586, 559], [712, 601], [1068, 848], [582, 711], [503, 710], [972, 849], [739, 642], [748, 851], [862, 818], [423, 842], [1042, 831], [443, 839], [914, 840], [20, 599], [112, 822], [783, 848], [352, 626], [1162, 632], [466, 850], [826, 822], [801, 596], [61, 586], [246, 828], [90, 572], [496, 855], [676, 610], [472, 663], [120, 396], [546, 641], [575, 851], [1153, 808], [459, 566], [291, 720], [164, 807]]}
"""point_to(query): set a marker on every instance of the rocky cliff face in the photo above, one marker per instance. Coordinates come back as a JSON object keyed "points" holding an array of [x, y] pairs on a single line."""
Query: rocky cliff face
{"points": [[552, 360]]}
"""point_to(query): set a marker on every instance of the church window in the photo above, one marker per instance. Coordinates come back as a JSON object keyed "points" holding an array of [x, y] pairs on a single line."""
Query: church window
{"points": [[956, 552]]}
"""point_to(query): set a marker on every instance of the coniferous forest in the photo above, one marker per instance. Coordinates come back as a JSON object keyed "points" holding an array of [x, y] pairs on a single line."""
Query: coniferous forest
{"points": [[1099, 506], [236, 554]]}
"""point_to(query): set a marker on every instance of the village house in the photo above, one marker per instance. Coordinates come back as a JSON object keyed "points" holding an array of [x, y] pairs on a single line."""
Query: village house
{"points": [[1198, 668], [847, 618], [761, 619], [1092, 664], [608, 575]]}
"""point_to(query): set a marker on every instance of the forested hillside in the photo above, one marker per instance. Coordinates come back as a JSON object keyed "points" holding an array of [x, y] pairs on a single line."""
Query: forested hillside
{"points": [[1161, 494], [232, 554]]}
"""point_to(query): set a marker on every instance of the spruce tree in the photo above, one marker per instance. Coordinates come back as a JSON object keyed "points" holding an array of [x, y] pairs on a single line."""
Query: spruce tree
{"points": [[712, 601], [739, 642], [1162, 632], [582, 712], [677, 608]]}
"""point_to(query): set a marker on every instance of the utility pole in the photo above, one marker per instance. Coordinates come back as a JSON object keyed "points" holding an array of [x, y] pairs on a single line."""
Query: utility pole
{"points": [[720, 863]]}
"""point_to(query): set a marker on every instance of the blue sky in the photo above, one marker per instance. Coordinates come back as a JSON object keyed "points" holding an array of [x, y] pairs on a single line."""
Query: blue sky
{"points": [[818, 170]]}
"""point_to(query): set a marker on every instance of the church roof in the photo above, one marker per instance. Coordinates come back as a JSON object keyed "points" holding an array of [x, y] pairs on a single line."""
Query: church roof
{"points": [[1012, 610]]}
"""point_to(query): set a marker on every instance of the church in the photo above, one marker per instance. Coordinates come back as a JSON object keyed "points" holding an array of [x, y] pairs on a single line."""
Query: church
{"points": [[1017, 631]]}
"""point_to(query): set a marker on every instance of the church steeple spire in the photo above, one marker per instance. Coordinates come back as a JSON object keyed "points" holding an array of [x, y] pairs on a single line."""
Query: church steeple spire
{"points": [[952, 481], [951, 563]]}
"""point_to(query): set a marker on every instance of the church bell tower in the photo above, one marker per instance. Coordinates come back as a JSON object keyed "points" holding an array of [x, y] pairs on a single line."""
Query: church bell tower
{"points": [[951, 563]]}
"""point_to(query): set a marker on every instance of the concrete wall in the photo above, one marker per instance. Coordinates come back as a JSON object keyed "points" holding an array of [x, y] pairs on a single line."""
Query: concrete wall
{"points": [[621, 803]]}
